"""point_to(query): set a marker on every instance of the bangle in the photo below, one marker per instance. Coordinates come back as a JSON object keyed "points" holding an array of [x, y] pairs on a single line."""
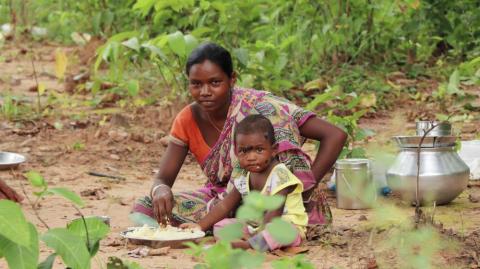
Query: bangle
{"points": [[154, 189]]}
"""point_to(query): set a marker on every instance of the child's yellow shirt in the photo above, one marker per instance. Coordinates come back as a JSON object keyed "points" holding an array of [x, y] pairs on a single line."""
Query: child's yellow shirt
{"points": [[278, 179]]}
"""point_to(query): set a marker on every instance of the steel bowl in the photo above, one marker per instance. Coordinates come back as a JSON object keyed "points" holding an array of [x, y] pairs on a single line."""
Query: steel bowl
{"points": [[10, 160]]}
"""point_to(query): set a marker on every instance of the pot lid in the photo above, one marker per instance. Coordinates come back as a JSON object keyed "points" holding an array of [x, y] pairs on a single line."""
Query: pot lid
{"points": [[428, 142], [352, 163]]}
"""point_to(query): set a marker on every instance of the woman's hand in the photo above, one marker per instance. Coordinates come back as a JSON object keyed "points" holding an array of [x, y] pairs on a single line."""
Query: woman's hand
{"points": [[162, 201], [162, 197], [190, 225], [8, 193]]}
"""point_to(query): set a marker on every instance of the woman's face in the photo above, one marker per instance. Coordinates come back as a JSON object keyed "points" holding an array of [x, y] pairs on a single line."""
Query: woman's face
{"points": [[210, 86]]}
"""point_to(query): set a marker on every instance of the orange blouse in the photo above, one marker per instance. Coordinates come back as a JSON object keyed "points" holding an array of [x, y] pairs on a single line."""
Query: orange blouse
{"points": [[185, 132]]}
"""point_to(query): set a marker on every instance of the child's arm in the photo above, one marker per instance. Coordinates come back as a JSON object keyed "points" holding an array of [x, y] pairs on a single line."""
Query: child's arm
{"points": [[279, 211], [219, 211]]}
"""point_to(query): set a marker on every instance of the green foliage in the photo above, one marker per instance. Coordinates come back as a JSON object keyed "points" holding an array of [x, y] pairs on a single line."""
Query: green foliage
{"points": [[297, 262], [76, 245], [69, 246], [117, 263], [20, 256], [231, 232], [9, 109], [96, 228], [282, 231], [13, 225], [48, 262], [222, 255], [67, 194], [344, 110], [36, 179]]}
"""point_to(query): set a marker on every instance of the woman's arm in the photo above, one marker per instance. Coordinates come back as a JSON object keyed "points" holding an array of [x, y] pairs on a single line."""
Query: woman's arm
{"points": [[8, 193], [331, 140], [221, 210], [162, 197]]}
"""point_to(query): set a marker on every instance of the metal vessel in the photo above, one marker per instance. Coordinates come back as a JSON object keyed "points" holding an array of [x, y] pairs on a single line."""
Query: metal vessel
{"points": [[443, 175], [442, 128], [354, 184]]}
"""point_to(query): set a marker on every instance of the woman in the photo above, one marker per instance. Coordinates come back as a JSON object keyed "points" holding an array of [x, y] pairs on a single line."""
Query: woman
{"points": [[205, 128]]}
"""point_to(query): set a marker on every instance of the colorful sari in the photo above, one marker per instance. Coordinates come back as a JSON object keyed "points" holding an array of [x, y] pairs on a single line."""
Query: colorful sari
{"points": [[221, 164]]}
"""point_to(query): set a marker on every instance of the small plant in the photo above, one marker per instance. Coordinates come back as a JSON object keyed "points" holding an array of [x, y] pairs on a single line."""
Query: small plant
{"points": [[9, 108], [344, 110], [222, 255], [76, 244]]}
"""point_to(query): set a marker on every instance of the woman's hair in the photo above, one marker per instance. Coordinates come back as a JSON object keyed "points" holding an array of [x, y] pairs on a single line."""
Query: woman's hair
{"points": [[255, 124], [214, 53]]}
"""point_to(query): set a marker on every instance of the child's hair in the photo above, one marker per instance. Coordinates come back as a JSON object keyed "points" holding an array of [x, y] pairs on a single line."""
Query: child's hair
{"points": [[255, 124], [214, 53]]}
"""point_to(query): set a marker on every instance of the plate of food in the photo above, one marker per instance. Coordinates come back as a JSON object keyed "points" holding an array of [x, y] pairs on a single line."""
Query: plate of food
{"points": [[157, 237]]}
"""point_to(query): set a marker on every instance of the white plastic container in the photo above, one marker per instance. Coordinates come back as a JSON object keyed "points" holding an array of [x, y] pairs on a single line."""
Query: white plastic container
{"points": [[470, 154]]}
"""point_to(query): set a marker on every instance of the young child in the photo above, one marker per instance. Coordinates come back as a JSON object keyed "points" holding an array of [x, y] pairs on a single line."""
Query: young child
{"points": [[256, 151]]}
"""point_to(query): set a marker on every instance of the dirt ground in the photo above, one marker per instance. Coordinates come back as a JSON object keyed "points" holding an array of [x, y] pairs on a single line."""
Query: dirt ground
{"points": [[129, 144]]}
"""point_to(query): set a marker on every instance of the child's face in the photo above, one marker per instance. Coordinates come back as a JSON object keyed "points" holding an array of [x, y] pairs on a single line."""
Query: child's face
{"points": [[254, 152]]}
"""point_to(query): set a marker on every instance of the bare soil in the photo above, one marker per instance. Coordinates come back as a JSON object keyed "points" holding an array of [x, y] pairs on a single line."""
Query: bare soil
{"points": [[128, 143]]}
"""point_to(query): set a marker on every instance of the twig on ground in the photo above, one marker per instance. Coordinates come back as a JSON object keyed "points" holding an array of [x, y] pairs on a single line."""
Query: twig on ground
{"points": [[96, 174]]}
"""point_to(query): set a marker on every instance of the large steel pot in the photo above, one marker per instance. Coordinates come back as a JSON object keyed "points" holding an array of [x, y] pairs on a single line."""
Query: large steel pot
{"points": [[443, 175]]}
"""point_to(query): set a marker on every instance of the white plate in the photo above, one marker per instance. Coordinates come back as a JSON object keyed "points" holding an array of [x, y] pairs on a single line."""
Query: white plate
{"points": [[10, 160]]}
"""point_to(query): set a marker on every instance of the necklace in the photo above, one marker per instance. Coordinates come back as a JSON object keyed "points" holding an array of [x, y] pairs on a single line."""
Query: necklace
{"points": [[213, 124]]}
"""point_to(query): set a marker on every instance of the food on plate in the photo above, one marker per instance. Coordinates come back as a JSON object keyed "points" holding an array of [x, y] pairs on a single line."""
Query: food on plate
{"points": [[164, 233]]}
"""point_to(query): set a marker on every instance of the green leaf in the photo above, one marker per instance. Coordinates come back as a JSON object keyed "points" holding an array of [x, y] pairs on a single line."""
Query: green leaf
{"points": [[231, 232], [48, 262], [117, 263], [36, 179], [155, 51], [363, 133], [133, 87], [282, 231], [358, 153], [176, 42], [263, 202], [18, 256], [104, 51], [69, 246], [320, 99], [453, 83], [142, 219], [246, 212], [190, 44], [144, 6], [97, 230], [242, 55], [251, 260], [132, 43], [13, 225], [67, 194], [297, 261]]}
